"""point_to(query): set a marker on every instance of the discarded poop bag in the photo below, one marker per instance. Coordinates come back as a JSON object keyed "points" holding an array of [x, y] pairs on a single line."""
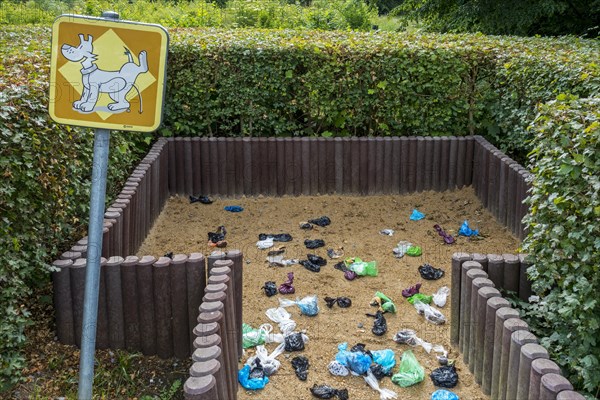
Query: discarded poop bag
{"points": [[300, 365], [444, 376], [233, 208], [200, 199], [335, 253], [321, 221], [379, 325], [423, 298], [349, 275], [441, 296], [385, 358], [411, 290], [307, 305], [295, 341], [410, 371], [215, 238], [315, 259], [361, 267], [286, 287], [416, 215], [465, 230], [414, 251], [443, 394], [250, 378], [270, 288], [387, 232], [277, 237], [384, 394], [428, 272], [409, 337], [253, 337], [314, 244], [327, 392], [401, 248], [269, 362], [336, 368], [357, 361], [342, 302], [310, 266], [265, 244], [430, 313], [384, 303], [448, 239], [282, 318]]}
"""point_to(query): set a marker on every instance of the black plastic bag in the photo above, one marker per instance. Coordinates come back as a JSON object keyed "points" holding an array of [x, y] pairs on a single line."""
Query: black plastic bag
{"points": [[300, 365], [343, 302], [200, 199], [444, 376], [294, 342], [169, 255], [379, 372], [315, 259], [322, 221], [430, 273], [305, 225], [380, 324], [270, 288], [310, 266], [341, 266], [257, 371], [327, 392], [280, 237], [217, 236], [314, 244]]}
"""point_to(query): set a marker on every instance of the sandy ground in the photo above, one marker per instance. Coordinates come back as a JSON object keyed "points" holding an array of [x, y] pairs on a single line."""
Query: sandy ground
{"points": [[356, 221]]}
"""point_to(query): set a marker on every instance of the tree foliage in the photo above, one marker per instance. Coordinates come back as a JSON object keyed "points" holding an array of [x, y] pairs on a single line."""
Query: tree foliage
{"points": [[507, 17]]}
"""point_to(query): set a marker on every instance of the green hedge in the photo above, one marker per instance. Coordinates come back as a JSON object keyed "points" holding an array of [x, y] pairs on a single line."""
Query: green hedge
{"points": [[334, 83], [44, 188], [564, 239], [259, 83]]}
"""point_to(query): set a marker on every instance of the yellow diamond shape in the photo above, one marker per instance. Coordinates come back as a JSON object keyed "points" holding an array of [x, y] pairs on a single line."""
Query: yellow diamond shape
{"points": [[111, 56]]}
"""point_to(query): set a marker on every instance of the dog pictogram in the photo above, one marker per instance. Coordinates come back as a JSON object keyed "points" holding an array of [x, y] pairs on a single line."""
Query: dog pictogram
{"points": [[117, 84]]}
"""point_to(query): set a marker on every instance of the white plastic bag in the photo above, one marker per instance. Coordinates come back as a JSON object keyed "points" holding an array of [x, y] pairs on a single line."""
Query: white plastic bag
{"points": [[384, 394], [268, 361], [430, 313], [265, 244], [440, 297], [283, 318]]}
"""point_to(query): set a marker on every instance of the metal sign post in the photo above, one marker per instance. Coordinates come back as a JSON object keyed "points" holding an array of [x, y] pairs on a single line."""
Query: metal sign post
{"points": [[100, 70]]}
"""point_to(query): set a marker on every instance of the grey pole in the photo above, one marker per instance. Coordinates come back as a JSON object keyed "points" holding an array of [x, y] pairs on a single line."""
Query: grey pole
{"points": [[92, 273], [94, 251]]}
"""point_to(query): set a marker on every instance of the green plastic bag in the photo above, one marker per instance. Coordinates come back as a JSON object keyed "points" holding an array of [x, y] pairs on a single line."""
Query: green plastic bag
{"points": [[386, 303], [414, 251], [361, 267], [423, 298], [251, 337], [410, 371]]}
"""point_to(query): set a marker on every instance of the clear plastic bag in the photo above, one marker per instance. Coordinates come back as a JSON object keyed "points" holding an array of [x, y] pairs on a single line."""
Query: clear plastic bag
{"points": [[265, 244], [409, 337], [283, 318], [430, 313], [337, 368], [410, 371], [441, 296], [384, 394], [401, 248], [308, 305], [268, 361]]}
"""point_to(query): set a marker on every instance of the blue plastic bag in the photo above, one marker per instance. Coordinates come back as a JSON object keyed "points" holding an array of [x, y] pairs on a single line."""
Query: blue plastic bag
{"points": [[233, 208], [248, 383], [356, 361], [416, 215], [386, 358], [443, 394], [465, 230]]}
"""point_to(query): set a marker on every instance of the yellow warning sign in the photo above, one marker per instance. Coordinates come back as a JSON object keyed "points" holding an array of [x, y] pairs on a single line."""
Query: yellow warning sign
{"points": [[107, 74]]}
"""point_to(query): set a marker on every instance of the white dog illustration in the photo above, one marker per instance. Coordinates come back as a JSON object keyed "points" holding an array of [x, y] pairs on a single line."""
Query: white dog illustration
{"points": [[95, 81]]}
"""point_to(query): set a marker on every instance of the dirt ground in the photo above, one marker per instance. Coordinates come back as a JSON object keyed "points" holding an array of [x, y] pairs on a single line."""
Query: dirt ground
{"points": [[356, 222]]}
